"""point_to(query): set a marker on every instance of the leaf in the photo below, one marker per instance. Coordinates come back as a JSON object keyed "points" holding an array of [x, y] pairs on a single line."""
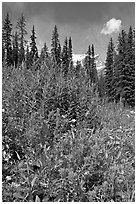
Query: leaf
{"points": [[45, 199], [21, 164], [26, 179], [17, 195], [33, 181], [18, 156], [106, 154], [8, 178], [61, 170], [119, 154], [71, 175], [37, 199]]}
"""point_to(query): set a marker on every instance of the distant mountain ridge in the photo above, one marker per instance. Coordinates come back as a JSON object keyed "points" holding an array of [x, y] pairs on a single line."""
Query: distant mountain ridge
{"points": [[80, 57]]}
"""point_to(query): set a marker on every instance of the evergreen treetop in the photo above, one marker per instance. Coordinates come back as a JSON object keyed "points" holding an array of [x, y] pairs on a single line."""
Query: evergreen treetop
{"points": [[34, 50], [6, 40], [55, 46]]}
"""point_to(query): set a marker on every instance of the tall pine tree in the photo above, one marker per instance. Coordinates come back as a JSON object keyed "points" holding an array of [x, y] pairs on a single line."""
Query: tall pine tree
{"points": [[15, 49], [34, 50], [90, 65], [44, 52], [21, 26], [6, 40], [56, 48], [77, 69], [101, 85], [65, 58], [3, 46], [27, 58], [109, 67], [129, 71], [88, 62], [93, 72], [116, 78], [120, 66], [70, 49]]}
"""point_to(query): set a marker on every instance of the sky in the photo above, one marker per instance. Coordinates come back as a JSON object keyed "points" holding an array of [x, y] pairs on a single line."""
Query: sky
{"points": [[86, 22]]}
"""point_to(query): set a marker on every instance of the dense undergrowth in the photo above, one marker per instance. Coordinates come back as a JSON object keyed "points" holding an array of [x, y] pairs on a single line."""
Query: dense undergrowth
{"points": [[61, 143]]}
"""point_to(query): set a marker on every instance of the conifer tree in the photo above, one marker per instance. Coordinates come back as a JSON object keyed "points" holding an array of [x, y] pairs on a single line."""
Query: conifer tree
{"points": [[93, 73], [21, 26], [90, 65], [101, 85], [88, 62], [59, 54], [15, 49], [77, 71], [65, 58], [120, 65], [3, 46], [6, 40], [44, 52], [70, 49], [116, 78], [129, 71], [109, 67], [34, 50], [55, 47], [27, 58]]}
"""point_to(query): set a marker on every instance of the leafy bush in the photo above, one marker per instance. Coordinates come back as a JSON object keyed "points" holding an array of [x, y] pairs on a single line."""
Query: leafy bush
{"points": [[60, 143]]}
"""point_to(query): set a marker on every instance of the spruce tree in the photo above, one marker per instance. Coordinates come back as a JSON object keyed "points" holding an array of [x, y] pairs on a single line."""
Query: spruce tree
{"points": [[90, 65], [101, 85], [21, 26], [27, 58], [77, 69], [3, 47], [65, 58], [120, 66], [70, 49], [109, 67], [15, 49], [34, 50], [6, 40], [116, 78], [55, 47], [93, 72], [128, 95], [88, 62], [44, 53]]}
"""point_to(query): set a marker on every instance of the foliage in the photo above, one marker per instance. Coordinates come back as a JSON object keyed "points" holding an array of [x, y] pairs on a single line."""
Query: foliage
{"points": [[60, 144]]}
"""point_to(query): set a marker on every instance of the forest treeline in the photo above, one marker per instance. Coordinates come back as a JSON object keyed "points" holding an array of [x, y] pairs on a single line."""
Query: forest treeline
{"points": [[117, 83]]}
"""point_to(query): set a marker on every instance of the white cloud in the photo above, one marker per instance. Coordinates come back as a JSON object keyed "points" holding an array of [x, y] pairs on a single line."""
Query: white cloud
{"points": [[112, 26]]}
